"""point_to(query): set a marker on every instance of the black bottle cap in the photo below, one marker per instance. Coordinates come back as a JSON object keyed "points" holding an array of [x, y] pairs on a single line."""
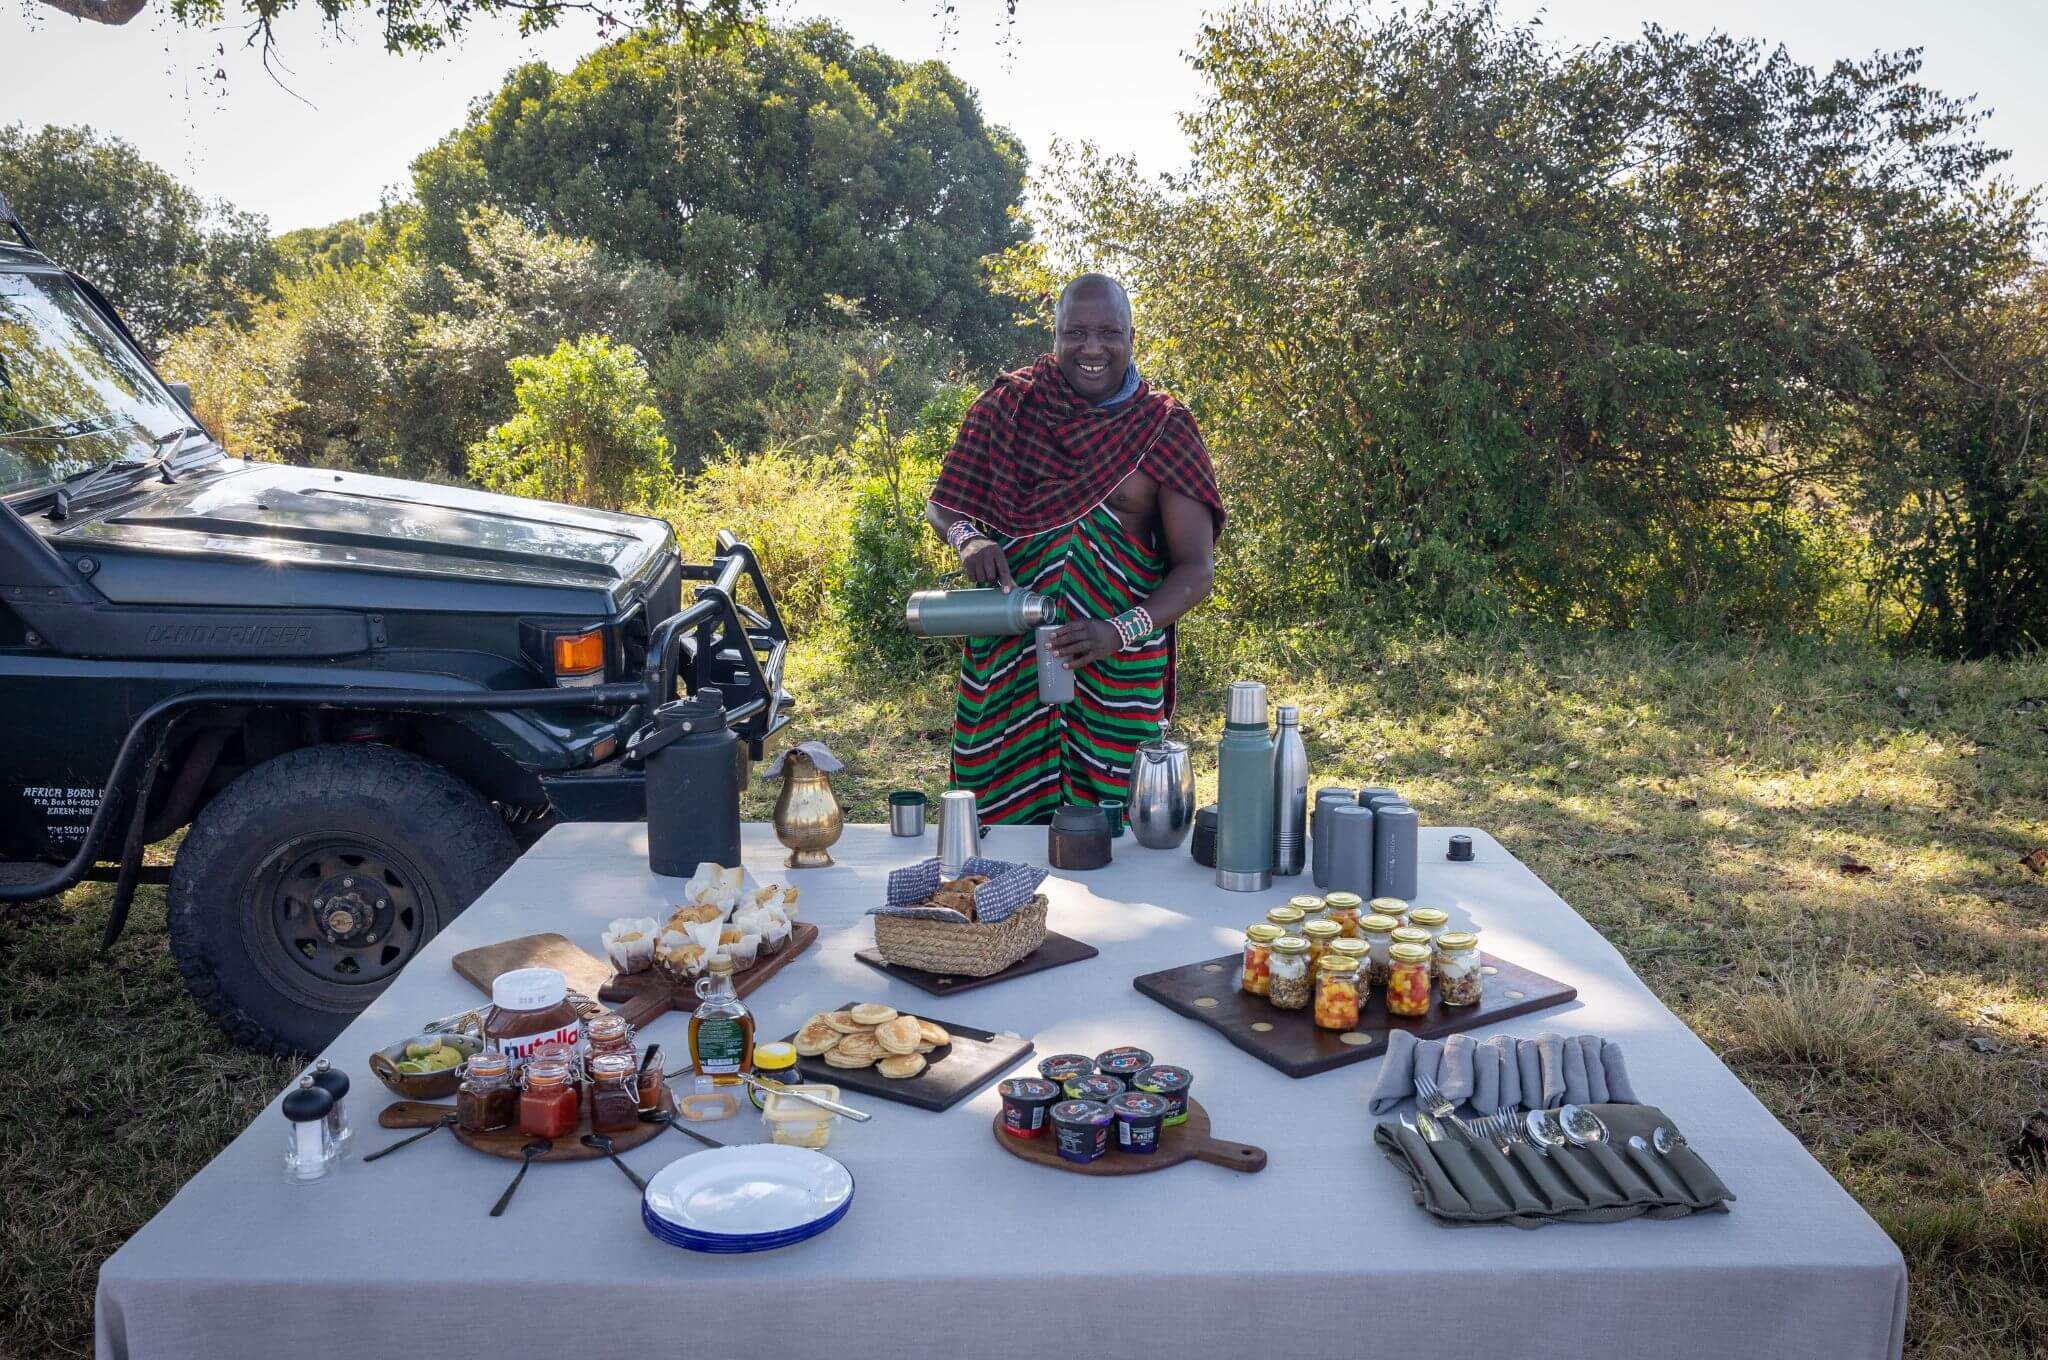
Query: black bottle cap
{"points": [[330, 1079], [1461, 848], [307, 1103]]}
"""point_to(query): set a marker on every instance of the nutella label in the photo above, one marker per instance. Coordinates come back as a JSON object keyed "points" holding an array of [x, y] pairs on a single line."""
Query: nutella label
{"points": [[520, 1047]]}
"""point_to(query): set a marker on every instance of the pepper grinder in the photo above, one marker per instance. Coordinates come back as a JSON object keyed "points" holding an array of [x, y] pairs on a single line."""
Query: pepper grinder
{"points": [[335, 1083], [310, 1149]]}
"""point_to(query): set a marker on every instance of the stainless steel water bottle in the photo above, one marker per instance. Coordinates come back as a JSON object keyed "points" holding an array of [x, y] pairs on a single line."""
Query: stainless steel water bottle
{"points": [[1244, 793], [975, 613], [1290, 793]]}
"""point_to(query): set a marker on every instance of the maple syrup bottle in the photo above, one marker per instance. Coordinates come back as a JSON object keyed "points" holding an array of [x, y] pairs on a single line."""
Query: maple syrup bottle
{"points": [[721, 1029]]}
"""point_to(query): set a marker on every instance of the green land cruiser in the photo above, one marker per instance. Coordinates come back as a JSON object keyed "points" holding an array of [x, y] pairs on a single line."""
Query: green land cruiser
{"points": [[361, 695]]}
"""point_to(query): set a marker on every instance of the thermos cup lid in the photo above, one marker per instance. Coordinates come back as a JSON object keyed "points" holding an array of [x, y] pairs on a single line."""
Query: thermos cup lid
{"points": [[1247, 703], [702, 710], [1286, 715]]}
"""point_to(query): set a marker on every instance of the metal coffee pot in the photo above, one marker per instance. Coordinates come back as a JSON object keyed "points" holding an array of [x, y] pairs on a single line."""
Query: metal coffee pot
{"points": [[1162, 802]]}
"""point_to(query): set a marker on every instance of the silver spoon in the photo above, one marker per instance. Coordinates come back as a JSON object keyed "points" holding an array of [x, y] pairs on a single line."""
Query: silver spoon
{"points": [[1544, 1131], [1582, 1126], [1667, 1140], [527, 1153], [1427, 1127]]}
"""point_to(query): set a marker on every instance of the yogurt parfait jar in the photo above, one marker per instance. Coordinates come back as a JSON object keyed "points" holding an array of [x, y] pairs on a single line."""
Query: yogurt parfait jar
{"points": [[1378, 933], [1289, 985], [1458, 976], [1435, 920], [1344, 908], [1391, 906]]}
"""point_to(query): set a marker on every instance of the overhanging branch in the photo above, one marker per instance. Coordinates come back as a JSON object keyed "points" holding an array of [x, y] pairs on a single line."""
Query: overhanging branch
{"points": [[100, 11]]}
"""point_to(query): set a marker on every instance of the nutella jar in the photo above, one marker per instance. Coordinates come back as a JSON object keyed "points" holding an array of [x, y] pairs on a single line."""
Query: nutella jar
{"points": [[530, 1010]]}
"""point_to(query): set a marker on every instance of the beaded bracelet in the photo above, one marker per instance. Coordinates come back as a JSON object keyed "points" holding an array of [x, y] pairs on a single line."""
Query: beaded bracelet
{"points": [[961, 532], [1133, 626]]}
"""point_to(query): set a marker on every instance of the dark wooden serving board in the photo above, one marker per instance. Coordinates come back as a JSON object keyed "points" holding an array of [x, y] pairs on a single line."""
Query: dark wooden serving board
{"points": [[1187, 1142], [1056, 950], [418, 1114], [639, 997], [1291, 1041], [952, 1073]]}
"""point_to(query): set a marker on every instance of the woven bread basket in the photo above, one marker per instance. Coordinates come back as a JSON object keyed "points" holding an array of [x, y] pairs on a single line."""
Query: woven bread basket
{"points": [[961, 948]]}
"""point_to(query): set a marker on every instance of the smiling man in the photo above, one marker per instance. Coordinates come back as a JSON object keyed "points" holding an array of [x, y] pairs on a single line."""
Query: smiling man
{"points": [[1075, 479]]}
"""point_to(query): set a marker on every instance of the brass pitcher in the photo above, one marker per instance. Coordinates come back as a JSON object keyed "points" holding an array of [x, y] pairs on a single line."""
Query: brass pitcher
{"points": [[808, 818]]}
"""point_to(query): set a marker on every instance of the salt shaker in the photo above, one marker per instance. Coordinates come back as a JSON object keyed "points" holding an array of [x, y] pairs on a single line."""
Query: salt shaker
{"points": [[334, 1082], [310, 1151]]}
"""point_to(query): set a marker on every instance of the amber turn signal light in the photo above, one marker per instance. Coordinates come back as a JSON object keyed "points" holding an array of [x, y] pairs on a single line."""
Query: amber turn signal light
{"points": [[579, 653]]}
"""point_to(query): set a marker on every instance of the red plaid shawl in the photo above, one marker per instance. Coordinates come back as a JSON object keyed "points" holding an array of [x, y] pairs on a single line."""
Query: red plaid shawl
{"points": [[1034, 455]]}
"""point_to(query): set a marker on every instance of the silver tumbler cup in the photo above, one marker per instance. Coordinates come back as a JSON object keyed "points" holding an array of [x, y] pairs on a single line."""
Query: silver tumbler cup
{"points": [[1055, 681], [906, 813], [959, 831], [1351, 849], [1319, 830], [1394, 863]]}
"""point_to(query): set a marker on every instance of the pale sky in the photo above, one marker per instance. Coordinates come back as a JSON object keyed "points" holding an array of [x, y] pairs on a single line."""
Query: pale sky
{"points": [[355, 117]]}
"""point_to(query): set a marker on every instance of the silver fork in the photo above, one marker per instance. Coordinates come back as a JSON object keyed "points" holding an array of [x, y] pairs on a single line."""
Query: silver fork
{"points": [[1430, 1100]]}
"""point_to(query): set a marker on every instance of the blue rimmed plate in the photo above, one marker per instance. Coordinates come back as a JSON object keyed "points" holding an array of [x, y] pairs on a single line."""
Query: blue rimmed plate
{"points": [[751, 1198]]}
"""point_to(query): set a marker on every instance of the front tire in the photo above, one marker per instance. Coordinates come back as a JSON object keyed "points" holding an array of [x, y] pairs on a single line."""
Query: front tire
{"points": [[305, 886]]}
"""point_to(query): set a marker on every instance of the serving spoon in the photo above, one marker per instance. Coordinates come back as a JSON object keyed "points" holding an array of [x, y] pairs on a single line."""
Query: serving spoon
{"points": [[527, 1154], [604, 1145], [443, 1122]]}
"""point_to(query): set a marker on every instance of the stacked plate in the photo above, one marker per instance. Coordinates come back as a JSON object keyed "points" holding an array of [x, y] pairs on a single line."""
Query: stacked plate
{"points": [[741, 1199]]}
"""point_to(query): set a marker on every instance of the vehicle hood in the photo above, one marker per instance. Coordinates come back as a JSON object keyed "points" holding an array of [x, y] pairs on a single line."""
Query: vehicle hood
{"points": [[270, 514]]}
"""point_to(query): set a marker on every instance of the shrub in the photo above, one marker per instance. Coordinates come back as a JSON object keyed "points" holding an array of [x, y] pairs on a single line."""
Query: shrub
{"points": [[792, 511], [890, 552], [586, 431]]}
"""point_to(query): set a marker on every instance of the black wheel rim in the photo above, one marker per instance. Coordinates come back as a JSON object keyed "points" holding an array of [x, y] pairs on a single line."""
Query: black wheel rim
{"points": [[338, 913]]}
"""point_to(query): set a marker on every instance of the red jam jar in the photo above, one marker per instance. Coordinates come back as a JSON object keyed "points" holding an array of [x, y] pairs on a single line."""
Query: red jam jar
{"points": [[548, 1106]]}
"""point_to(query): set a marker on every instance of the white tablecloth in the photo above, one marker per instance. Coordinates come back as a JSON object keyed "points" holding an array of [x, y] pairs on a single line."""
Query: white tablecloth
{"points": [[955, 1248]]}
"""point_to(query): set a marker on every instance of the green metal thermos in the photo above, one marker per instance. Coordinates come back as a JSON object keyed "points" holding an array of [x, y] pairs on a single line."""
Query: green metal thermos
{"points": [[975, 613], [1244, 793]]}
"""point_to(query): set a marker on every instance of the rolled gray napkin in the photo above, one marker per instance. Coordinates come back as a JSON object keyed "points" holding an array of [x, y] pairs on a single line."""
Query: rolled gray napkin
{"points": [[1503, 1072]]}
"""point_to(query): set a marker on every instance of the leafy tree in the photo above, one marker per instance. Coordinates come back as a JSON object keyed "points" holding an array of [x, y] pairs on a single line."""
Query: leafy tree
{"points": [[374, 237], [1478, 324], [586, 432], [833, 177], [425, 25], [889, 551], [167, 259]]}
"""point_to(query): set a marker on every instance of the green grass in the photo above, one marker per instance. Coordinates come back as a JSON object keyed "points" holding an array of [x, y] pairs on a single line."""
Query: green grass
{"points": [[1696, 804]]}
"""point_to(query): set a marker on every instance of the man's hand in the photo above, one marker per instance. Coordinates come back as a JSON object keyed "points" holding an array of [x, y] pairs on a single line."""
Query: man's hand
{"points": [[1078, 644], [985, 564]]}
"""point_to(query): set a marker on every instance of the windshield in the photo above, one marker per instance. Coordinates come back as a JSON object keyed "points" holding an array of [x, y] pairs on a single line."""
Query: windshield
{"points": [[73, 393]]}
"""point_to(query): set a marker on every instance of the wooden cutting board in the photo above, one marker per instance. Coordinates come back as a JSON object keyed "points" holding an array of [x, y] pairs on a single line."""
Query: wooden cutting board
{"points": [[639, 997], [952, 1073], [1058, 949], [1291, 1041], [1184, 1142], [508, 1143]]}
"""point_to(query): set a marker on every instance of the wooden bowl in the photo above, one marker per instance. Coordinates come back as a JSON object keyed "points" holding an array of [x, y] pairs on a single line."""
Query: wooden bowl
{"points": [[423, 1085]]}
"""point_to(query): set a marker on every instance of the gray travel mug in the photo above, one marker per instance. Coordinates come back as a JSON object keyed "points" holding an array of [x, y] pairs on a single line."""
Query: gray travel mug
{"points": [[906, 813], [1319, 831], [1394, 860], [1055, 681], [1378, 798], [1351, 849]]}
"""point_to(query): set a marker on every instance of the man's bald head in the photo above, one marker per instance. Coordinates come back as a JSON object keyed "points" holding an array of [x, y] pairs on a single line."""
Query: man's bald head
{"points": [[1098, 287], [1091, 335]]}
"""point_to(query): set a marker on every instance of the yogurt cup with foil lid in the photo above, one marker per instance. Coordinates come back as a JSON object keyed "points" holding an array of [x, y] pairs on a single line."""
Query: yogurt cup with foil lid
{"points": [[1060, 1066], [1025, 1103], [1080, 1129], [1123, 1063], [1139, 1117], [1096, 1087], [1164, 1079]]}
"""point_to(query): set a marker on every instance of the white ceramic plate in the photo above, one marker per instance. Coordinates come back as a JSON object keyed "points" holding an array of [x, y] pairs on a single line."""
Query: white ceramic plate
{"points": [[748, 1191]]}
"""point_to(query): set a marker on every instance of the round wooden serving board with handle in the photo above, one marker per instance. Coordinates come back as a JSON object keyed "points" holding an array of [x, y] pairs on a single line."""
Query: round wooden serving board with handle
{"points": [[509, 1143], [1187, 1142]]}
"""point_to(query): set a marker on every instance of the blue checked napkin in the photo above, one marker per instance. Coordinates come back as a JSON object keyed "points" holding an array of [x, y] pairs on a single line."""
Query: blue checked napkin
{"points": [[1009, 887]]}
